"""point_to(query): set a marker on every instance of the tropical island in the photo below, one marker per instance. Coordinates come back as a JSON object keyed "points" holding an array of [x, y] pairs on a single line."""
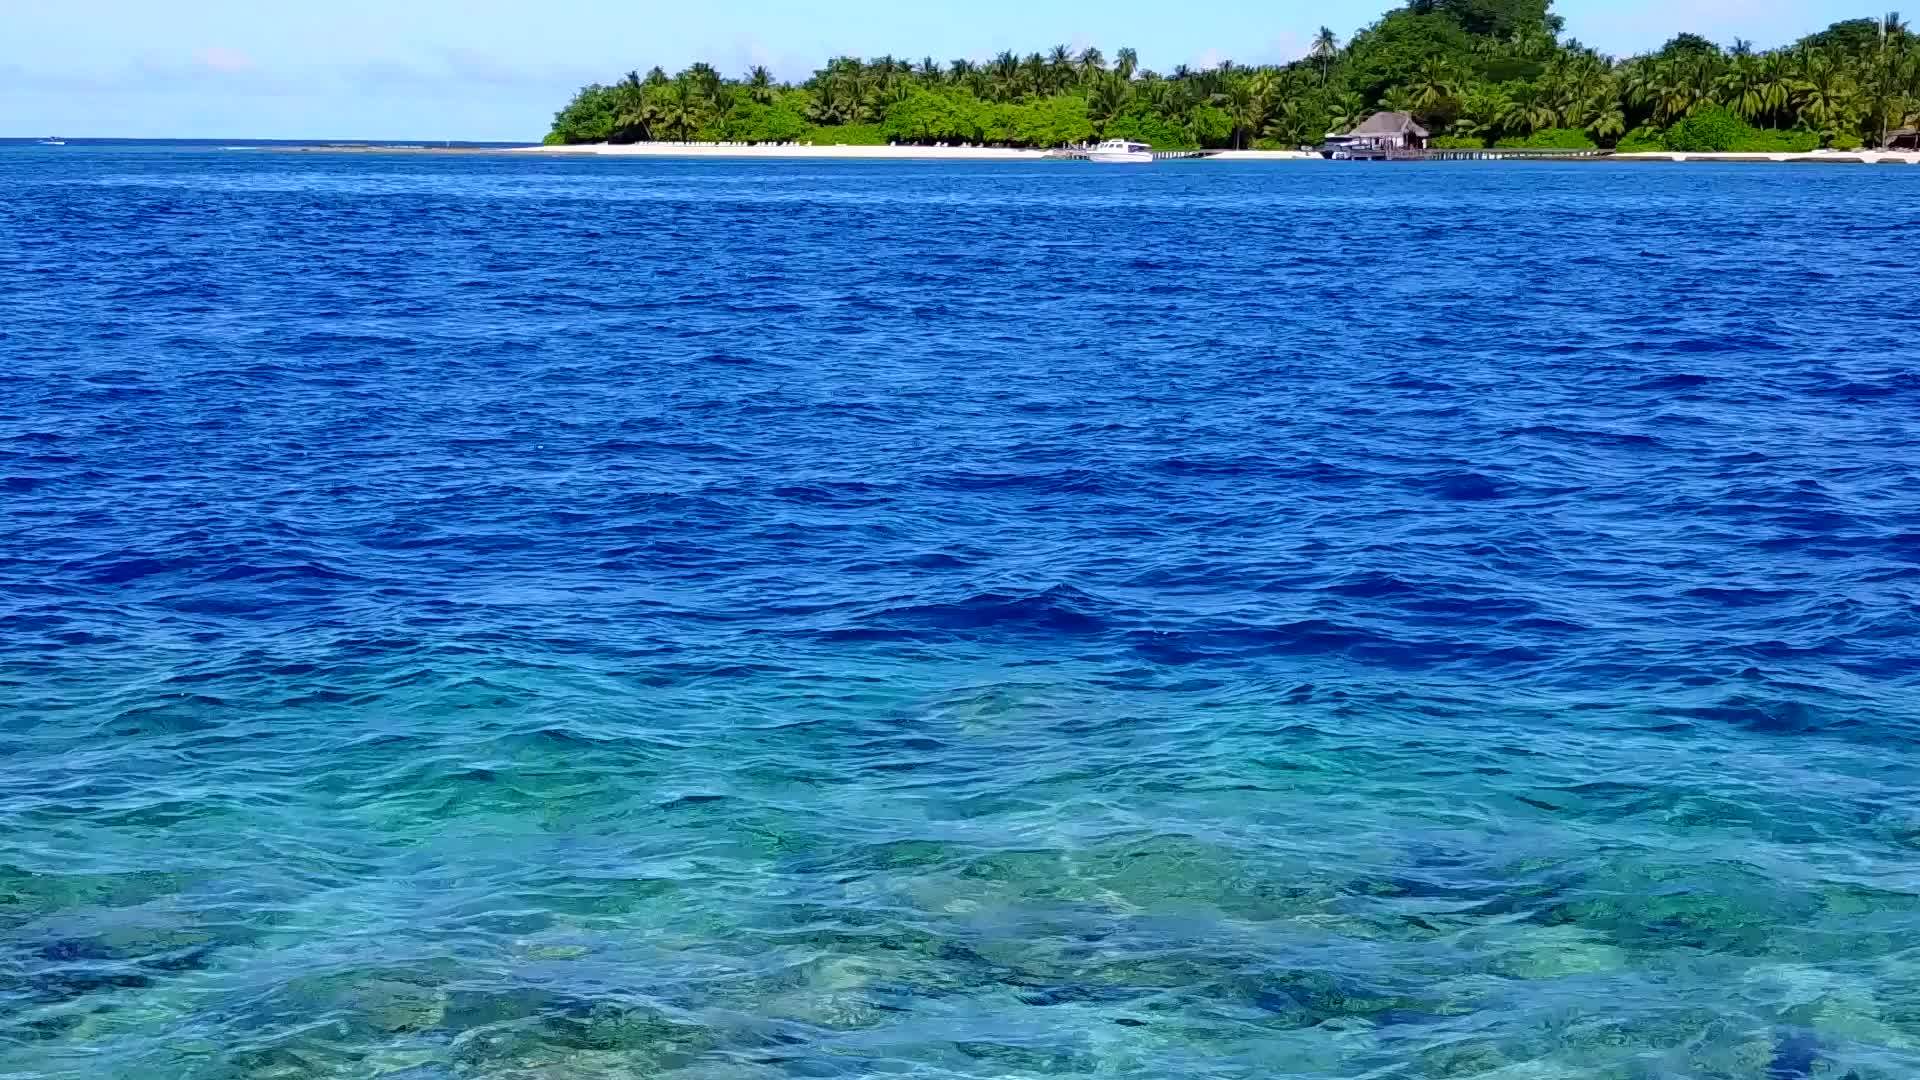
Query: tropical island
{"points": [[1476, 73]]}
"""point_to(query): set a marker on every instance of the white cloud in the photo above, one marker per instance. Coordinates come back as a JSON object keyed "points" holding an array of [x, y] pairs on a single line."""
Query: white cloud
{"points": [[1208, 59], [1284, 48], [225, 61]]}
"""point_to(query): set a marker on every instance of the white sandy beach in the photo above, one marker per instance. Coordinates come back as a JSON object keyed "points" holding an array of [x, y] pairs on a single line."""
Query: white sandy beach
{"points": [[1826, 157], [791, 150], [996, 153], [1264, 155], [819, 150]]}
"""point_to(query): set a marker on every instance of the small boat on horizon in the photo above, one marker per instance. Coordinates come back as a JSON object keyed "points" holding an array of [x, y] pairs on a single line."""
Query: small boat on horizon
{"points": [[1121, 152], [53, 140]]}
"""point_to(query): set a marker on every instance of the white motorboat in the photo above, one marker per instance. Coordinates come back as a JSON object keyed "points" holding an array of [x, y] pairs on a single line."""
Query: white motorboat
{"points": [[52, 141], [1121, 152]]}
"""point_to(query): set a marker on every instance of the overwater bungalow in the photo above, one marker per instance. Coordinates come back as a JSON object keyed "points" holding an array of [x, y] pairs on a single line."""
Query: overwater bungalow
{"points": [[1382, 135]]}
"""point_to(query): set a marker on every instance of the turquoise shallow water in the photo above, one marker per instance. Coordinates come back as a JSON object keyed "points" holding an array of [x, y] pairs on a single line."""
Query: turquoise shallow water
{"points": [[505, 619]]}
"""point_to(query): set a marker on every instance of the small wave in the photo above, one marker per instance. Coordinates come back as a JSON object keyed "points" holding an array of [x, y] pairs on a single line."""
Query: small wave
{"points": [[1401, 380], [1202, 465], [120, 571], [1372, 585], [1462, 486], [847, 494], [1730, 343], [1577, 435], [300, 571], [1311, 637], [1679, 380], [1770, 716], [1739, 598], [1058, 610], [1858, 390], [1062, 481]]}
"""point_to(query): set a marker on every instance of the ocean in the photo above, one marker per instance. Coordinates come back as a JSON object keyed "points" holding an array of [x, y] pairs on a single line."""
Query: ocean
{"points": [[474, 617]]}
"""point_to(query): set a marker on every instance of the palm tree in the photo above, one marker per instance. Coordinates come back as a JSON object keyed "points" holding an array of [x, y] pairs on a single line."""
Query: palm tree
{"points": [[1092, 62], [1125, 63], [1434, 84], [704, 81], [1399, 99], [1528, 110], [1698, 75], [680, 111], [1826, 96], [1059, 68], [1532, 43], [1347, 111], [639, 111], [1004, 77], [828, 105], [870, 99], [1295, 119], [1910, 89], [1889, 65], [1639, 80], [1033, 74], [1481, 112], [1743, 89], [760, 85], [885, 78], [1892, 28], [1608, 121], [1779, 86], [1106, 97], [1325, 48], [1266, 85], [1247, 110], [1680, 87], [929, 72]]}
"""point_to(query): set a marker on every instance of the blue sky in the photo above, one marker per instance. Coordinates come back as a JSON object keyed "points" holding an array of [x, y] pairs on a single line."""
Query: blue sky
{"points": [[496, 69]]}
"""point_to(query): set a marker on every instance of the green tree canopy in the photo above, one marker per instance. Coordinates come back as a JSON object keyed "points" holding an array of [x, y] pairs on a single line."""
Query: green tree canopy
{"points": [[1499, 18], [1855, 37], [1683, 45], [1387, 54], [1473, 70]]}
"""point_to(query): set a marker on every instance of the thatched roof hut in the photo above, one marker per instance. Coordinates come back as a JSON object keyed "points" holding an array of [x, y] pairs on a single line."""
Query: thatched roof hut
{"points": [[1389, 124], [1384, 131]]}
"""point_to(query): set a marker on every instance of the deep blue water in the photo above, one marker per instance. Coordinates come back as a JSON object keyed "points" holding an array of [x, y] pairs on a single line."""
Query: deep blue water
{"points": [[512, 619]]}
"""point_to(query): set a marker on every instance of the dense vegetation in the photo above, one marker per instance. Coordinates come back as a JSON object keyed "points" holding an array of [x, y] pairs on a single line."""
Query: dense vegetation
{"points": [[1476, 72]]}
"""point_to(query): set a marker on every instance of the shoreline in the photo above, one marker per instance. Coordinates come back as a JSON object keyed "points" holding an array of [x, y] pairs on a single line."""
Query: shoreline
{"points": [[840, 152], [787, 150], [1812, 157]]}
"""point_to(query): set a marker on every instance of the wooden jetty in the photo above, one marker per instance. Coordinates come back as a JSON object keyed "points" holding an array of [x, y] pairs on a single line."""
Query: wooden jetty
{"points": [[1507, 153], [1081, 153], [1495, 153], [1397, 136]]}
